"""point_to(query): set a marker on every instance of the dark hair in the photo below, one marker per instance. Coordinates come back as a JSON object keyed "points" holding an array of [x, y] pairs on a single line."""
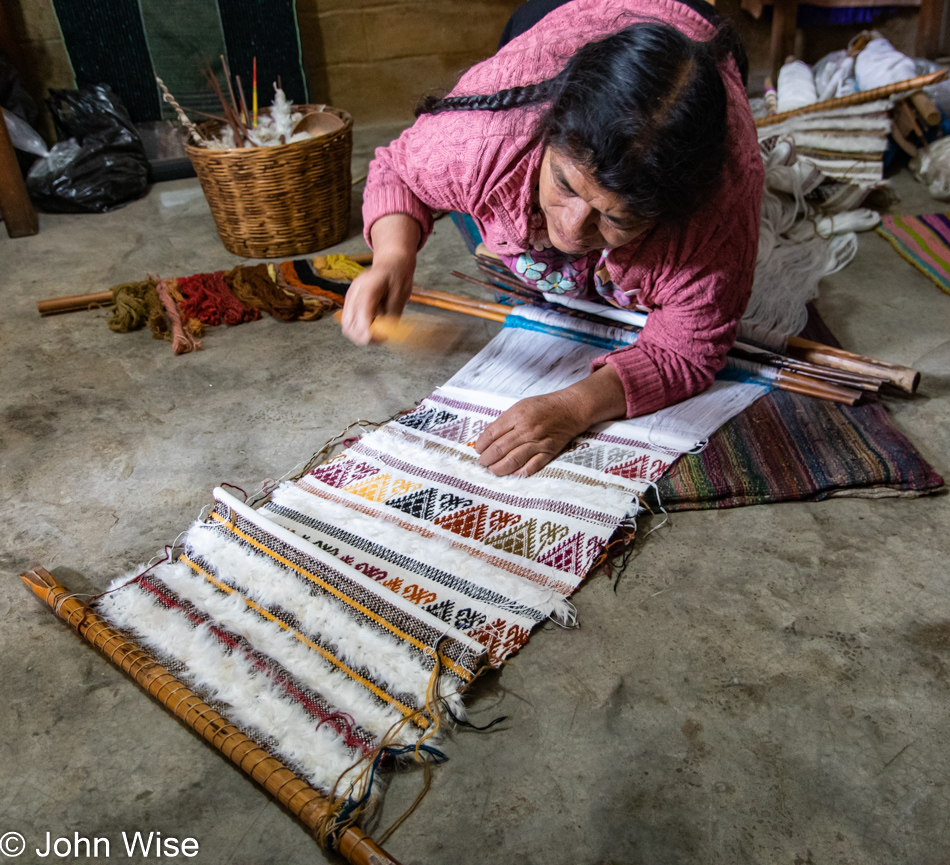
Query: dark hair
{"points": [[644, 110]]}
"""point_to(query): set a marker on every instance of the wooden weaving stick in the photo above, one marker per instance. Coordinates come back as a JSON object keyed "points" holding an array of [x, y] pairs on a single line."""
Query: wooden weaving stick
{"points": [[902, 377], [856, 98], [306, 804]]}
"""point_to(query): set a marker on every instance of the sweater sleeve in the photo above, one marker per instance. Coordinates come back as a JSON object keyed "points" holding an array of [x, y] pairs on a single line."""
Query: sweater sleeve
{"points": [[436, 164], [695, 308]]}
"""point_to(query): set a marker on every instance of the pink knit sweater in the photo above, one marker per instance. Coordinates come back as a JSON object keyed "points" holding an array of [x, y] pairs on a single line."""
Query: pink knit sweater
{"points": [[695, 279]]}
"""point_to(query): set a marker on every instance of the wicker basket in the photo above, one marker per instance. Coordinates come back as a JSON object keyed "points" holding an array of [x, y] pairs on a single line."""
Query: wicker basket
{"points": [[276, 201]]}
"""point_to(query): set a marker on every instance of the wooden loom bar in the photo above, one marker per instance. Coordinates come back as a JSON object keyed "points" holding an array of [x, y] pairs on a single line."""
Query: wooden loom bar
{"points": [[813, 353], [305, 803], [74, 302], [902, 377], [856, 98]]}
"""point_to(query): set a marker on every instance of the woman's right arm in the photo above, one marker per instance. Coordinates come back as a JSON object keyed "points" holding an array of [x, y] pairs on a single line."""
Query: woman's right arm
{"points": [[385, 287]]}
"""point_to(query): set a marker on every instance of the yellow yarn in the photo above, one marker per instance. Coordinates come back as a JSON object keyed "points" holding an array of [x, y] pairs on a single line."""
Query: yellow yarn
{"points": [[337, 267], [271, 272]]}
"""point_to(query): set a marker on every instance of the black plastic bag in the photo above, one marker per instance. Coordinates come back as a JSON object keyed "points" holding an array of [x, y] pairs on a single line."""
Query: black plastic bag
{"points": [[100, 166]]}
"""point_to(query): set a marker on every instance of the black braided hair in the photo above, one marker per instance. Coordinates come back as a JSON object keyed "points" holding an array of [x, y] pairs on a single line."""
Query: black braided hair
{"points": [[513, 97], [644, 110]]}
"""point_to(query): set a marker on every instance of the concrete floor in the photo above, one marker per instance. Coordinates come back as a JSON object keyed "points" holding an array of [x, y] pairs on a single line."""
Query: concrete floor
{"points": [[764, 685]]}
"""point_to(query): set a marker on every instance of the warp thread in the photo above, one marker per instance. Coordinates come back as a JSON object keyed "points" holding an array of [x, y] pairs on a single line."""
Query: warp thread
{"points": [[254, 288], [208, 298], [183, 341]]}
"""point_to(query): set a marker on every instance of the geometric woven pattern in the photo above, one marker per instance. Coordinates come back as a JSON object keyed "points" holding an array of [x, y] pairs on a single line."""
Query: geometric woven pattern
{"points": [[353, 607]]}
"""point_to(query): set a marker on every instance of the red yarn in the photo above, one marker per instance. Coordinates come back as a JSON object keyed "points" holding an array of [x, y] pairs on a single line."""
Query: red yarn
{"points": [[208, 298]]}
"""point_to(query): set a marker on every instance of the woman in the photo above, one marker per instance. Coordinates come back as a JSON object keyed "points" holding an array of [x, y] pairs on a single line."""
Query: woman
{"points": [[608, 151]]}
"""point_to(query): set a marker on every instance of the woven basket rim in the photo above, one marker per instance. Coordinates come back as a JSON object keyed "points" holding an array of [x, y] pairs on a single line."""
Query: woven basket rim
{"points": [[210, 127]]}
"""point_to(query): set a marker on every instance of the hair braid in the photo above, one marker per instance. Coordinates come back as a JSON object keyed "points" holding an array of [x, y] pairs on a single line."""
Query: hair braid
{"points": [[513, 97]]}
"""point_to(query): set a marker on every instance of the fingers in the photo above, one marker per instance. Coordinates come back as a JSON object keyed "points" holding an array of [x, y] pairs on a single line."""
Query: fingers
{"points": [[527, 436], [522, 459], [359, 310], [505, 448]]}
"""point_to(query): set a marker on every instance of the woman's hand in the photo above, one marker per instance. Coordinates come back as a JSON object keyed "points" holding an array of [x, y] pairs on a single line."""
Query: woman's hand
{"points": [[386, 286], [535, 430]]}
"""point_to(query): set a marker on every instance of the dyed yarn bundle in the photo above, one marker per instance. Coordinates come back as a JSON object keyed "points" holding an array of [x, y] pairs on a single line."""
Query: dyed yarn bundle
{"points": [[178, 310], [343, 619]]}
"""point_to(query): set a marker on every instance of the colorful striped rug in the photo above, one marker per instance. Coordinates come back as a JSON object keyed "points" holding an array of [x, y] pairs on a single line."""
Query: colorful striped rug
{"points": [[924, 241], [786, 447]]}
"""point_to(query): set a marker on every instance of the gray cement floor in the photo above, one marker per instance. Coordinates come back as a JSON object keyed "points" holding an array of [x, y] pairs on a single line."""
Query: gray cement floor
{"points": [[766, 685]]}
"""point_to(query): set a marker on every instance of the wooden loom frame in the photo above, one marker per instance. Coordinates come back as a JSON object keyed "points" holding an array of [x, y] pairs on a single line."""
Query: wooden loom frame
{"points": [[305, 803]]}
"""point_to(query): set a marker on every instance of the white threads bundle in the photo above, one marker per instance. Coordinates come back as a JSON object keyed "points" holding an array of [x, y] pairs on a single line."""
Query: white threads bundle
{"points": [[796, 86], [931, 166], [880, 63], [796, 247], [834, 76]]}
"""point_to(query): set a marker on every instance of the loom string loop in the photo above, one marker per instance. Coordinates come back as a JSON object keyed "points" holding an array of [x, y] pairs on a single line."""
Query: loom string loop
{"points": [[234, 487]]}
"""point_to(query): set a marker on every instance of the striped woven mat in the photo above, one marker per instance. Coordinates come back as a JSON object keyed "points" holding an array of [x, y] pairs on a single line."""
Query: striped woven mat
{"points": [[787, 447], [924, 241]]}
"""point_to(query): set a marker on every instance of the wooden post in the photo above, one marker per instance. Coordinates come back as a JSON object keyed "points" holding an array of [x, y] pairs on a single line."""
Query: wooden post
{"points": [[929, 27], [784, 16], [15, 204]]}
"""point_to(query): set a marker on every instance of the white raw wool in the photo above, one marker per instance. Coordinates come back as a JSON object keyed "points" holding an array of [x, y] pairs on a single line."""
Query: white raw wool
{"points": [[309, 549], [303, 663], [389, 659], [255, 702]]}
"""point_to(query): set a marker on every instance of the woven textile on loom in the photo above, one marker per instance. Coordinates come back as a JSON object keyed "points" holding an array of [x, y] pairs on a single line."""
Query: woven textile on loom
{"points": [[924, 241], [846, 144], [356, 604]]}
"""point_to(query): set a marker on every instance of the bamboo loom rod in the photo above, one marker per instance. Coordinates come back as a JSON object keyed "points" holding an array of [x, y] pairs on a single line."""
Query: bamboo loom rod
{"points": [[298, 797], [902, 377], [855, 98]]}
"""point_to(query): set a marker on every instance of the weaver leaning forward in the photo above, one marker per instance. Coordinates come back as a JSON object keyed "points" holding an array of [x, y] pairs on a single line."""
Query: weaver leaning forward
{"points": [[607, 152]]}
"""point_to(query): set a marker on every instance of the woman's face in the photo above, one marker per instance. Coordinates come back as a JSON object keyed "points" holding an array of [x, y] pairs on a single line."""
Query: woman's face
{"points": [[581, 215]]}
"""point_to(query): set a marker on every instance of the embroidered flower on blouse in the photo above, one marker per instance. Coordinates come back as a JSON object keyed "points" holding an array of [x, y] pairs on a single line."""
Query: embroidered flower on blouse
{"points": [[556, 283], [529, 268]]}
